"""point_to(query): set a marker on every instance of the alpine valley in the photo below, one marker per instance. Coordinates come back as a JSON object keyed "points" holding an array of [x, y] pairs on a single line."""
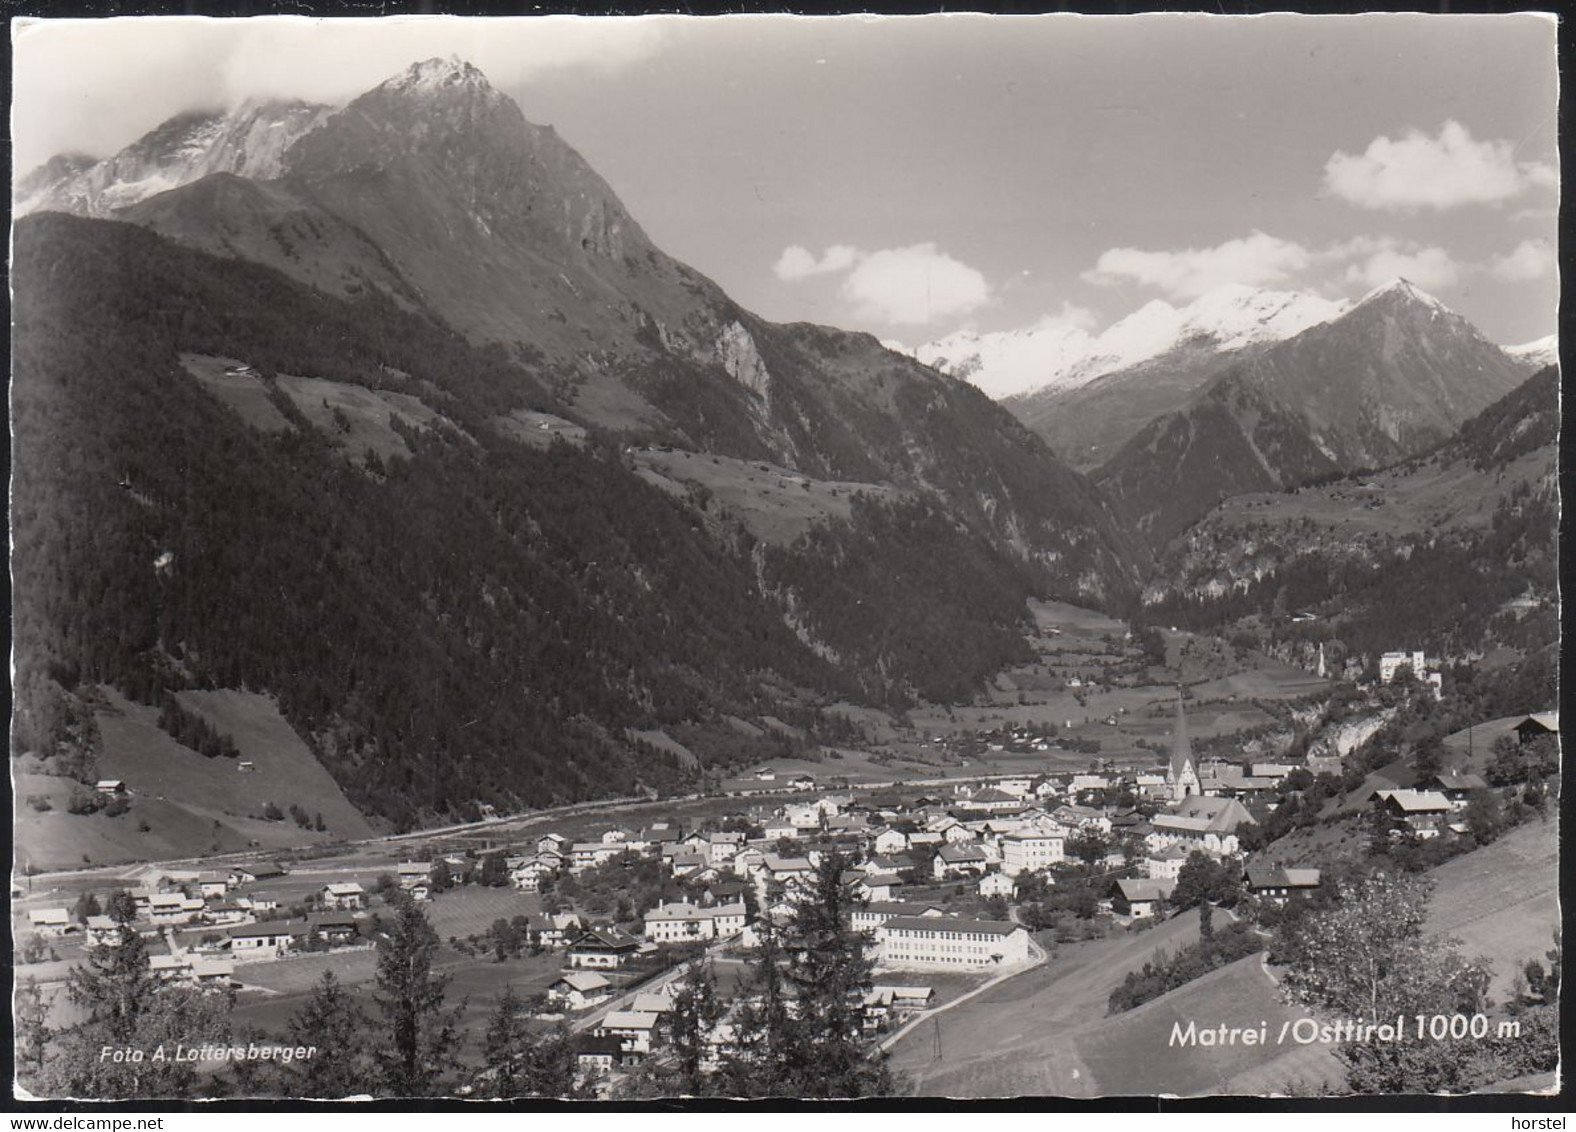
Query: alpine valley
{"points": [[391, 416]]}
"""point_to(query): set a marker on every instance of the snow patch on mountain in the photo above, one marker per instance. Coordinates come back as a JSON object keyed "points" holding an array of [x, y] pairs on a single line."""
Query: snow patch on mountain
{"points": [[1539, 352], [1056, 353]]}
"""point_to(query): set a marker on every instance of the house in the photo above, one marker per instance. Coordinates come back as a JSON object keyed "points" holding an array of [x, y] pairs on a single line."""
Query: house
{"points": [[635, 1029], [959, 860], [336, 929], [803, 817], [1537, 725], [1277, 884], [890, 841], [258, 902], [251, 874], [1030, 851], [951, 944], [723, 845], [175, 969], [602, 948], [871, 916], [552, 843], [1421, 811], [1457, 788], [414, 874], [684, 923], [50, 921], [598, 1055], [1166, 863], [1082, 817], [1391, 663], [1139, 898], [227, 912], [174, 907], [998, 884], [110, 786], [884, 1002], [102, 932], [580, 989], [344, 896], [264, 941], [876, 886], [1199, 822], [589, 854], [558, 929], [212, 884]]}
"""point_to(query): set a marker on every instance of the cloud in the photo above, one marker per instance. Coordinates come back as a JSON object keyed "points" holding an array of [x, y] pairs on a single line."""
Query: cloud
{"points": [[908, 286], [913, 286], [1255, 261], [1071, 316], [1531, 259], [1386, 258], [1418, 171], [798, 263]]}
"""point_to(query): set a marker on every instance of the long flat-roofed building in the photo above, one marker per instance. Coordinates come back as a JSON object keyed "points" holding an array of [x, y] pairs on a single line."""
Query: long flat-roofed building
{"points": [[940, 942]]}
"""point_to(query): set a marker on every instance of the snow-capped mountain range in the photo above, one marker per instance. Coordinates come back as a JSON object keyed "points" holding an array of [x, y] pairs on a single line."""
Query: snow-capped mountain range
{"points": [[1055, 354], [249, 141]]}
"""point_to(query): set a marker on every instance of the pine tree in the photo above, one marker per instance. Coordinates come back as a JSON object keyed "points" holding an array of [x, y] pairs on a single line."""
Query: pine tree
{"points": [[333, 1024], [832, 974], [421, 1032], [522, 1064], [695, 1012]]}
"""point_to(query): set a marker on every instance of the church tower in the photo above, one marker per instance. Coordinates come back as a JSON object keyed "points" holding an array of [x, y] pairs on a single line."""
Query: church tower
{"points": [[1181, 775]]}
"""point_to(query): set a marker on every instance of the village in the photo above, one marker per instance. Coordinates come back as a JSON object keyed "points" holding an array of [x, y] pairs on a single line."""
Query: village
{"points": [[955, 887]]}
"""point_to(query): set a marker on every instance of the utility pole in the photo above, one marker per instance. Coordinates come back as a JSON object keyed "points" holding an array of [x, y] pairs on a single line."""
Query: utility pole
{"points": [[936, 1050]]}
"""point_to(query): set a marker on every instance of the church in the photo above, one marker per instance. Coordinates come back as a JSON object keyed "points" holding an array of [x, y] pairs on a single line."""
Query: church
{"points": [[1193, 821]]}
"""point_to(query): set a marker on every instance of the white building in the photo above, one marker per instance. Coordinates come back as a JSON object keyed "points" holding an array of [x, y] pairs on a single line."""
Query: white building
{"points": [[939, 942], [1030, 851], [1392, 662], [683, 923], [344, 896]]}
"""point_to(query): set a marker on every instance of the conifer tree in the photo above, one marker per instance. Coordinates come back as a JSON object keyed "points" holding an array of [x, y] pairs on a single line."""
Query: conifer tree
{"points": [[333, 1024], [420, 1039]]}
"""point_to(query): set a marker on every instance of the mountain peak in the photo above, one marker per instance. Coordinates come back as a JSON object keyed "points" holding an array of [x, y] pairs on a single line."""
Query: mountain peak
{"points": [[440, 75], [1402, 288]]}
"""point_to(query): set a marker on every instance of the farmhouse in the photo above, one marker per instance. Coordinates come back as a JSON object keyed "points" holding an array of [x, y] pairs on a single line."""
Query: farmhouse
{"points": [[110, 786], [1421, 811], [942, 942], [602, 948], [1457, 788], [1166, 863], [1278, 884], [580, 989], [344, 896], [1138, 898], [1537, 725]]}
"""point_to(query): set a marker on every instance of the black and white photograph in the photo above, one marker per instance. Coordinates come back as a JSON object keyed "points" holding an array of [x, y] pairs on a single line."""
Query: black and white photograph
{"points": [[857, 558]]}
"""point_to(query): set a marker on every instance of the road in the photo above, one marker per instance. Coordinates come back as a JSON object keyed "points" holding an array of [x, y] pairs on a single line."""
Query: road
{"points": [[1037, 956]]}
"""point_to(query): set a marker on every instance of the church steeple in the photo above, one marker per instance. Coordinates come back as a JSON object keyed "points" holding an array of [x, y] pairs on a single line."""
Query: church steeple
{"points": [[1182, 774]]}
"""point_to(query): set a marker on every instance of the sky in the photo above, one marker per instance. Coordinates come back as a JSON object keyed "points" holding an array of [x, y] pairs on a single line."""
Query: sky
{"points": [[914, 176]]}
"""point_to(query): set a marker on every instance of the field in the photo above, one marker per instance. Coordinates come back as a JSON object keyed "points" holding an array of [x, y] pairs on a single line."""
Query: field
{"points": [[472, 910], [191, 805], [1502, 901], [776, 504]]}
